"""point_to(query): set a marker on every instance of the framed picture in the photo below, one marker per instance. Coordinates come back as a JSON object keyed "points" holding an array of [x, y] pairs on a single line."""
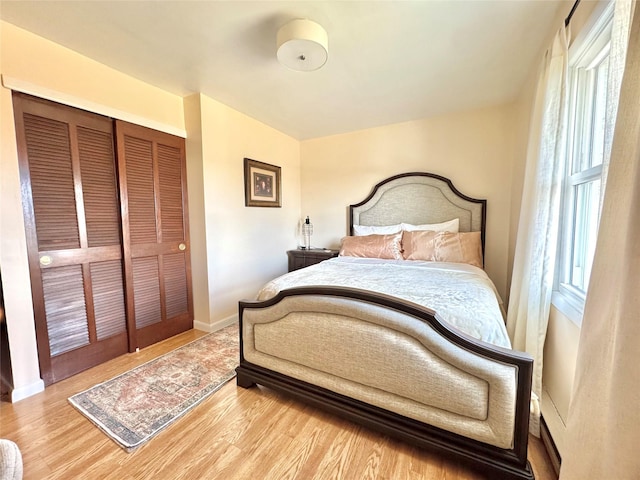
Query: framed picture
{"points": [[261, 184]]}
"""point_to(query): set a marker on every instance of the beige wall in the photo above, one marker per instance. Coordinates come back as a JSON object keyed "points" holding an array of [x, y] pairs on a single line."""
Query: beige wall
{"points": [[197, 216], [234, 248], [522, 123], [474, 149], [16, 282], [560, 354], [54, 72], [246, 245], [563, 335]]}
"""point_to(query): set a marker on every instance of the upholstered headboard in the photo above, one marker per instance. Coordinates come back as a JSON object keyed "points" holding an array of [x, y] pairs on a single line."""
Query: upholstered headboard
{"points": [[419, 198]]}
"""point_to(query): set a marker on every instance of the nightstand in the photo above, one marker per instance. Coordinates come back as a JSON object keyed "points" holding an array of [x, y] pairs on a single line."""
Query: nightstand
{"points": [[303, 258]]}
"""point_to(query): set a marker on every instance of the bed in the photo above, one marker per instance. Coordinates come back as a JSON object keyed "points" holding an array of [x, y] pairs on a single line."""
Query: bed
{"points": [[414, 348]]}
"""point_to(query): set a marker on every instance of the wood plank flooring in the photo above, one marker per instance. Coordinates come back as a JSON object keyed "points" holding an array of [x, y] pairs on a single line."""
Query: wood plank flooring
{"points": [[236, 433]]}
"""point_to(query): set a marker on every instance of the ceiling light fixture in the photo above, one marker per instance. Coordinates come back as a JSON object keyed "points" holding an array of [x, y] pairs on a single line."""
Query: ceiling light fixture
{"points": [[302, 45]]}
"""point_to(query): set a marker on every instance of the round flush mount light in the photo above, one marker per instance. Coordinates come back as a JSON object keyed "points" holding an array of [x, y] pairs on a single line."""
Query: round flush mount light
{"points": [[302, 45]]}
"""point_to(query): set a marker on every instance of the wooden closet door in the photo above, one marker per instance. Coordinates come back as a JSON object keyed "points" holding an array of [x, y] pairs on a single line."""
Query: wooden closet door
{"points": [[152, 173], [71, 208]]}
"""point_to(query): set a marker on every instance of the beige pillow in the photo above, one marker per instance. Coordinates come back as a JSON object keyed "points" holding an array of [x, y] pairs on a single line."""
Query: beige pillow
{"points": [[372, 246], [418, 245], [459, 248]]}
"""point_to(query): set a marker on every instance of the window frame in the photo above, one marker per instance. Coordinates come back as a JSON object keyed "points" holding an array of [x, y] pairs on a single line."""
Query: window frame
{"points": [[586, 51]]}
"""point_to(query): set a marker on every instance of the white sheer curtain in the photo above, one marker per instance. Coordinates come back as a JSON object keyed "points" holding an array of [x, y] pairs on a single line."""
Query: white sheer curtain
{"points": [[617, 55], [603, 428], [535, 254]]}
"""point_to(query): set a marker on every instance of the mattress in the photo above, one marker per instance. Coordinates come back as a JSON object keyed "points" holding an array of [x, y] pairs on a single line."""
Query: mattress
{"points": [[462, 295]]}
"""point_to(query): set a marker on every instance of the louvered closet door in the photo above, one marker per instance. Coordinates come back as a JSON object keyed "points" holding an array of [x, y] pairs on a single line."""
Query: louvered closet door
{"points": [[155, 233], [71, 206]]}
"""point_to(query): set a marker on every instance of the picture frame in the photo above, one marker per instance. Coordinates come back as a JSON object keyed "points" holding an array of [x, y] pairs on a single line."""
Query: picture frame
{"points": [[262, 184]]}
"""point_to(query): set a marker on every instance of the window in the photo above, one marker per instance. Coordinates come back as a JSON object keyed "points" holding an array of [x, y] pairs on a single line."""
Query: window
{"points": [[582, 189]]}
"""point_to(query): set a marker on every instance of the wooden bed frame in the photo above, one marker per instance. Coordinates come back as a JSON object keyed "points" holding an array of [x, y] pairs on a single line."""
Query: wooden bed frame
{"points": [[394, 201]]}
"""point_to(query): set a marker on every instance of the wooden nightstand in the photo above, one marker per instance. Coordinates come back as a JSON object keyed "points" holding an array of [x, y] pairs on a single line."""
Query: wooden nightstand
{"points": [[303, 258]]}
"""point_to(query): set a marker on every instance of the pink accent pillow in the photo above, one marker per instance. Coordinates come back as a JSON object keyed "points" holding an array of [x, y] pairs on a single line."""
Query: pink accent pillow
{"points": [[419, 245], [459, 248], [464, 247], [373, 246]]}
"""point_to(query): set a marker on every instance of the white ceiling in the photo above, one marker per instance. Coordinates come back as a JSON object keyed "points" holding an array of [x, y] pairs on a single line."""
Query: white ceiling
{"points": [[389, 61]]}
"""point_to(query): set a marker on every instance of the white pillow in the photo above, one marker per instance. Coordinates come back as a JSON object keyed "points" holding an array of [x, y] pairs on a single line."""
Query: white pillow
{"points": [[360, 230], [450, 226]]}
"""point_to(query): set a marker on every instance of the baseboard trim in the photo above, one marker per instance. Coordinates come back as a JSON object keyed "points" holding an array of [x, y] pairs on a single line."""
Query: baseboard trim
{"points": [[21, 393], [550, 446], [212, 327]]}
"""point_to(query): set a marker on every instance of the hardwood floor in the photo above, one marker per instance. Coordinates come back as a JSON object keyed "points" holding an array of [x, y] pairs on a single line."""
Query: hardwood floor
{"points": [[236, 433]]}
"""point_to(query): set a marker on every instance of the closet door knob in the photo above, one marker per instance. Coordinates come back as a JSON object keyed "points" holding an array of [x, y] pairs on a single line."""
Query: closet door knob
{"points": [[182, 247], [45, 260]]}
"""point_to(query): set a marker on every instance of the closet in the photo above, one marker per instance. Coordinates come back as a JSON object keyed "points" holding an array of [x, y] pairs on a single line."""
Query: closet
{"points": [[107, 235]]}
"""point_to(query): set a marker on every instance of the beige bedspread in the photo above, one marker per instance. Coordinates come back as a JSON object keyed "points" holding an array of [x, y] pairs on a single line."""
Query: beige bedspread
{"points": [[461, 294]]}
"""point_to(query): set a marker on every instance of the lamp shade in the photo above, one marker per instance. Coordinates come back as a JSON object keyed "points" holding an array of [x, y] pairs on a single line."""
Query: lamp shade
{"points": [[302, 45]]}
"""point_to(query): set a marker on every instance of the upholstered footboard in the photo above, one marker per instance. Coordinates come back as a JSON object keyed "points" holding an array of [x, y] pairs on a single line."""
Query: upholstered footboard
{"points": [[393, 366]]}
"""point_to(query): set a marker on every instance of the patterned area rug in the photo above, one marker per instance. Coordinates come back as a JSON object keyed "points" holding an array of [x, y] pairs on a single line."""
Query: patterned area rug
{"points": [[133, 407]]}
